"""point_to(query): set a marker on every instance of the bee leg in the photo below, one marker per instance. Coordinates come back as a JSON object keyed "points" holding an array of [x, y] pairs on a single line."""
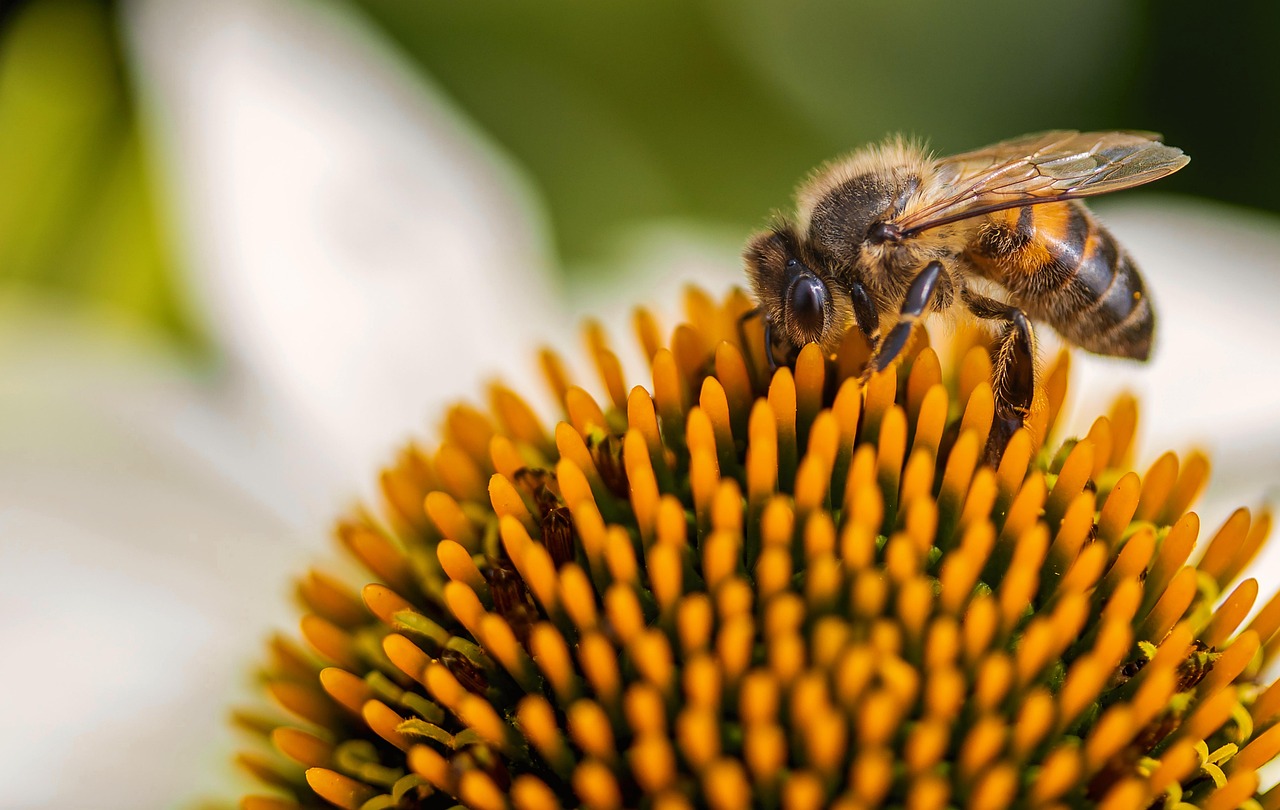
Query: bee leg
{"points": [[742, 330], [913, 307], [792, 351], [768, 335], [865, 314], [768, 345], [1013, 378], [769, 355]]}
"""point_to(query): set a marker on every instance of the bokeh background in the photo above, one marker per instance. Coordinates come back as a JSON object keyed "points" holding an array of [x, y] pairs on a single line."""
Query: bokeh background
{"points": [[248, 246], [624, 115]]}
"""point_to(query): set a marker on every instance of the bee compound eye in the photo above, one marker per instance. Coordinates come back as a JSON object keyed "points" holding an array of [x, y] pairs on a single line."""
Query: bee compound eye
{"points": [[808, 299]]}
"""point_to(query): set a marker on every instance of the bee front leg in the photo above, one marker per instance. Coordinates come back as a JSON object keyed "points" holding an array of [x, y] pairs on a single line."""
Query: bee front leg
{"points": [[1013, 377], [771, 359], [914, 305], [865, 313], [768, 344]]}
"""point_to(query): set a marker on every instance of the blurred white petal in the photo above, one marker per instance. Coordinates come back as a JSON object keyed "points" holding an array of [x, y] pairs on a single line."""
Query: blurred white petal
{"points": [[654, 266], [361, 262], [1214, 379], [360, 254], [131, 571]]}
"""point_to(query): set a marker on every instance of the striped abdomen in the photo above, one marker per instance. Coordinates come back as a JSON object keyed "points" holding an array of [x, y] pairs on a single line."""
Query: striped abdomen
{"points": [[1060, 266]]}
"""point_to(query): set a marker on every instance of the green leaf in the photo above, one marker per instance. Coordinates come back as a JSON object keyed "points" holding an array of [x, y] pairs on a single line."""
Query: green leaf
{"points": [[79, 221]]}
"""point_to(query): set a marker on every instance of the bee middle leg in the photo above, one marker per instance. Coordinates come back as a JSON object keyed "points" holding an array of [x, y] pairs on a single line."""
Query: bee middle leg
{"points": [[914, 305], [1013, 377]]}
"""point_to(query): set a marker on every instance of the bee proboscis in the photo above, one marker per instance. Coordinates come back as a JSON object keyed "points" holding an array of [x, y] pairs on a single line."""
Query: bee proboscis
{"points": [[890, 234]]}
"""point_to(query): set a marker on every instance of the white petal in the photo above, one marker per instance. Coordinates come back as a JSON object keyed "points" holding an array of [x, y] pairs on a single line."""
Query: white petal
{"points": [[359, 255], [135, 582], [1213, 382], [362, 261]]}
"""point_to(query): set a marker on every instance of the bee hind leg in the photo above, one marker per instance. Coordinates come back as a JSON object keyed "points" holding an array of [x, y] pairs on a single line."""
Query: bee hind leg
{"points": [[1013, 377], [914, 305]]}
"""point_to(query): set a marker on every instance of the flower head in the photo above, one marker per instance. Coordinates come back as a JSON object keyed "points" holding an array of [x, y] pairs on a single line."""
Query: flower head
{"points": [[742, 587]]}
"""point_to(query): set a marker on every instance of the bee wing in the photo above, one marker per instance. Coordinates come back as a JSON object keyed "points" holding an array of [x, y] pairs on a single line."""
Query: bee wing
{"points": [[1048, 167]]}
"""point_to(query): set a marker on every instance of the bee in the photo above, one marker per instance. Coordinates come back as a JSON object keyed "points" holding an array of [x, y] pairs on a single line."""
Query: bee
{"points": [[889, 235]]}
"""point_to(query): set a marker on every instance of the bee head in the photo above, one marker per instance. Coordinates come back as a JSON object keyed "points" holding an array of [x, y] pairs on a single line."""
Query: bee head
{"points": [[793, 291]]}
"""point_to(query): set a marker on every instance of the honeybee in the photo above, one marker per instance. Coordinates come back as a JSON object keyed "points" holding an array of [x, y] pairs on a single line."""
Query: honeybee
{"points": [[888, 235]]}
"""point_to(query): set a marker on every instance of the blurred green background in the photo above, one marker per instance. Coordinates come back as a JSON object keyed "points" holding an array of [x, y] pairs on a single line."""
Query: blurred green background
{"points": [[702, 112]]}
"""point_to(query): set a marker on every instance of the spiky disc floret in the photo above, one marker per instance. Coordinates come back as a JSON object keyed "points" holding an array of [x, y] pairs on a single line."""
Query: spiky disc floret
{"points": [[742, 588]]}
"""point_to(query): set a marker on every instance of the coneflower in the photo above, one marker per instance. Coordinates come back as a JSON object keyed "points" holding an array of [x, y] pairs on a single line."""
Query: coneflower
{"points": [[737, 587]]}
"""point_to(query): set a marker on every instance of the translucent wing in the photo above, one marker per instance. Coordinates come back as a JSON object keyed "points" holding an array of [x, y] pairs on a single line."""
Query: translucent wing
{"points": [[1047, 167]]}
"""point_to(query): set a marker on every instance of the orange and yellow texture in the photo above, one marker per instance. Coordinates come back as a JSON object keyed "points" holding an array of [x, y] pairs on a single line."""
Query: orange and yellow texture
{"points": [[733, 587]]}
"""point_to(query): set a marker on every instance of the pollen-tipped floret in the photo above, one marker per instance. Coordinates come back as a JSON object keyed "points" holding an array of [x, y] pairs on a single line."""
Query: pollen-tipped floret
{"points": [[745, 588]]}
